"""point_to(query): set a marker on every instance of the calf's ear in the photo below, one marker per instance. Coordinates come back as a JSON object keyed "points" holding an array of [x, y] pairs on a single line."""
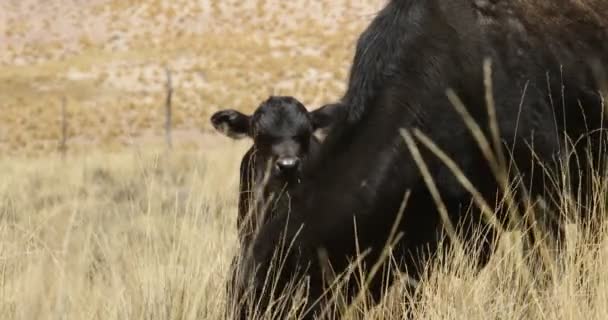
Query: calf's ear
{"points": [[327, 115], [231, 123]]}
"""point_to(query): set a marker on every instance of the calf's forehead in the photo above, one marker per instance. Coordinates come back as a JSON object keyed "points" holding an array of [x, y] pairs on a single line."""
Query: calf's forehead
{"points": [[281, 118]]}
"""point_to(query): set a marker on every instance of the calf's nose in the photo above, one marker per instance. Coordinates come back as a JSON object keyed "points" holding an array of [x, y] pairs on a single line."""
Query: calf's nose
{"points": [[287, 164]]}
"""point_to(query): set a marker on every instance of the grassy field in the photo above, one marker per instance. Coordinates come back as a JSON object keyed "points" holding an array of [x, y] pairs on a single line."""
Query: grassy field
{"points": [[139, 235], [117, 236], [121, 229]]}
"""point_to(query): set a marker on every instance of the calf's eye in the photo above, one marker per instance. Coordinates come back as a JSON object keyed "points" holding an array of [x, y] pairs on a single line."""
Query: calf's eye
{"points": [[264, 140], [302, 138]]}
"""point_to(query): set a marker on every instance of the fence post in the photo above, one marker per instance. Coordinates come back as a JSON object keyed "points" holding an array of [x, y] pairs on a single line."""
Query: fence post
{"points": [[168, 115], [63, 147]]}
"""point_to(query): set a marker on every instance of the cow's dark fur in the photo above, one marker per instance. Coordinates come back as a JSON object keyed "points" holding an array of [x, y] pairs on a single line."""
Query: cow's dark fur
{"points": [[547, 58], [283, 132]]}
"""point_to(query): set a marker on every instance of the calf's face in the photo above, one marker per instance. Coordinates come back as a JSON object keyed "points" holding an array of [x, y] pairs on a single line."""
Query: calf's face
{"points": [[282, 134], [282, 131]]}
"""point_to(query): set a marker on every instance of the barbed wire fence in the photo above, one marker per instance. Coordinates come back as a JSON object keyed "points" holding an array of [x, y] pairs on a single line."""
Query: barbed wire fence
{"points": [[62, 145]]}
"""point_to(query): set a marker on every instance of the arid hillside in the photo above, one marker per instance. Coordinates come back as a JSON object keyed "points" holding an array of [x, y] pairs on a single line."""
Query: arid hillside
{"points": [[108, 59]]}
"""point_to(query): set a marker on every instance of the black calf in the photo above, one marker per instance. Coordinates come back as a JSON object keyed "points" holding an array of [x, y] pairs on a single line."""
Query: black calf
{"points": [[283, 134]]}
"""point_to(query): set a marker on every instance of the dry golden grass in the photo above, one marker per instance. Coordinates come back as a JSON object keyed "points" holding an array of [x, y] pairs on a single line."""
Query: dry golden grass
{"points": [[125, 236], [138, 235]]}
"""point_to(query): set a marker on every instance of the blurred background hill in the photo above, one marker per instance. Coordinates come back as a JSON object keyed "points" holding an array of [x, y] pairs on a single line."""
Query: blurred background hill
{"points": [[108, 59]]}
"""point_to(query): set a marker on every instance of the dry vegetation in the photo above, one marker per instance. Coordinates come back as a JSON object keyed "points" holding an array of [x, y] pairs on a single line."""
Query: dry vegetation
{"points": [[108, 57], [142, 236], [135, 233]]}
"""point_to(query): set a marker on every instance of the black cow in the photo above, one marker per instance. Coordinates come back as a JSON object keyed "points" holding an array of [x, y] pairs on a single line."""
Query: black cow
{"points": [[284, 137], [548, 58]]}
